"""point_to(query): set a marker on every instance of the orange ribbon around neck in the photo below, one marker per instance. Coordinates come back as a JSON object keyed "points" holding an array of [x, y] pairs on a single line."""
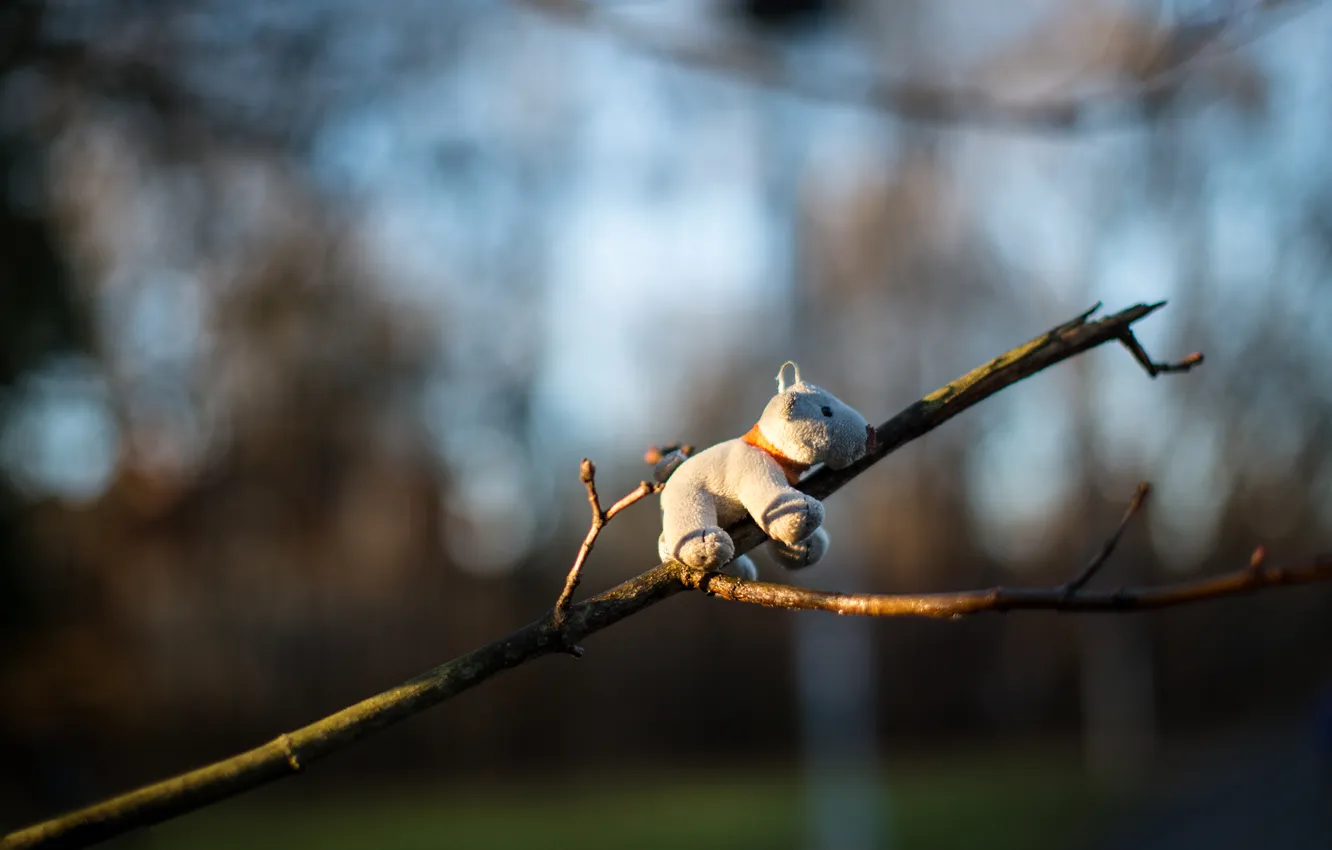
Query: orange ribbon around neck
{"points": [[792, 469]]}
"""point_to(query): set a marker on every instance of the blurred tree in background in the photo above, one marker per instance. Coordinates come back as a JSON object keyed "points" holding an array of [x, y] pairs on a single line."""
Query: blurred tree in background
{"points": [[307, 312]]}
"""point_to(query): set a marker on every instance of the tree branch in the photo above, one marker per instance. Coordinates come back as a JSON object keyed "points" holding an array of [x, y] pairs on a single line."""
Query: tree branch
{"points": [[296, 750], [948, 606], [1068, 597]]}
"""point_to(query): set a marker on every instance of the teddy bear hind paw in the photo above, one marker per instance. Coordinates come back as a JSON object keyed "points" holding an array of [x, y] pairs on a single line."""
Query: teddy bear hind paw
{"points": [[805, 553], [742, 568]]}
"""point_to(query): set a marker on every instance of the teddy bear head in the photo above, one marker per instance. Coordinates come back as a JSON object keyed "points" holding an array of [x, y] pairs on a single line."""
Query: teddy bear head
{"points": [[810, 425]]}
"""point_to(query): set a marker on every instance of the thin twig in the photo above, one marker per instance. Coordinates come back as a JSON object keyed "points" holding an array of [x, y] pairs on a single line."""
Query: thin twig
{"points": [[1108, 547], [654, 454], [966, 602], [1258, 559], [197, 788], [1154, 368], [587, 473], [751, 61], [644, 488]]}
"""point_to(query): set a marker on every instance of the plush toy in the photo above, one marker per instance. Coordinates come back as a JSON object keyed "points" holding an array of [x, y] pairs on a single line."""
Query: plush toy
{"points": [[755, 475]]}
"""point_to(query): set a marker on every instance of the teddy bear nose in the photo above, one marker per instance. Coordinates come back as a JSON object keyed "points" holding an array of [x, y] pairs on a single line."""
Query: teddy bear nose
{"points": [[871, 438]]}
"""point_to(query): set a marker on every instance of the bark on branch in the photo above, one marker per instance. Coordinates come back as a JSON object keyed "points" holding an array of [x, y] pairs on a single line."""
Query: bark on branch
{"points": [[293, 751]]}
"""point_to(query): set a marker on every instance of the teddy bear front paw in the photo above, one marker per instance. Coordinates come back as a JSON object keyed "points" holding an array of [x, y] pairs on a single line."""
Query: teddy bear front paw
{"points": [[792, 519], [706, 549]]}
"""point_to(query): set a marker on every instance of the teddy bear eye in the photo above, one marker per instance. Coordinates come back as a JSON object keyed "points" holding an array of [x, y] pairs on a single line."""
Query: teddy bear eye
{"points": [[827, 411]]}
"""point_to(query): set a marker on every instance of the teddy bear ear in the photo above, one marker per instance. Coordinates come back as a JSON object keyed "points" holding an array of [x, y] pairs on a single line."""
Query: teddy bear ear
{"points": [[781, 382]]}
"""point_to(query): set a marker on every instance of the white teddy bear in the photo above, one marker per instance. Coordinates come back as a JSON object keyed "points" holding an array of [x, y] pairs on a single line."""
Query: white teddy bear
{"points": [[754, 474]]}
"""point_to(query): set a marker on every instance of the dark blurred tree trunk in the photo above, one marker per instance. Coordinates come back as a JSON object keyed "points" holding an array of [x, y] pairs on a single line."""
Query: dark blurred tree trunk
{"points": [[40, 317]]}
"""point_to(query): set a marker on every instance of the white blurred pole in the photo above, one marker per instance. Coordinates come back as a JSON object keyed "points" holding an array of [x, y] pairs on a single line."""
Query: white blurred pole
{"points": [[1118, 701], [835, 674], [834, 656]]}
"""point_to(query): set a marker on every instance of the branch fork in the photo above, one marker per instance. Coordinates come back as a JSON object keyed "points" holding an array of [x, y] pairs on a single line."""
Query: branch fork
{"points": [[1129, 341], [1108, 548], [587, 473]]}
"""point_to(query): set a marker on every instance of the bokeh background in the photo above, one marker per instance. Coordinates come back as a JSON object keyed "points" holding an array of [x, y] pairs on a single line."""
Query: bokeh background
{"points": [[308, 311]]}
